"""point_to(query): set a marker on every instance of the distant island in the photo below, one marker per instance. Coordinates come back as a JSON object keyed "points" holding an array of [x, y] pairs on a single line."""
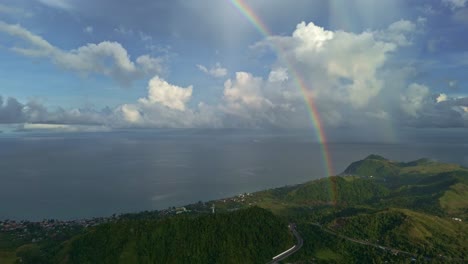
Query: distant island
{"points": [[377, 210]]}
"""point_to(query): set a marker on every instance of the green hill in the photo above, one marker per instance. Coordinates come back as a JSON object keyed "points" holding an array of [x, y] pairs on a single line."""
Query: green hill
{"points": [[335, 189], [399, 173], [423, 184], [408, 230], [378, 210], [412, 206], [375, 166], [253, 235]]}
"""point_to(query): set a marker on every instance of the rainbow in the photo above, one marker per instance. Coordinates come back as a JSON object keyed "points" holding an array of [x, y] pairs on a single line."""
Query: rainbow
{"points": [[250, 15]]}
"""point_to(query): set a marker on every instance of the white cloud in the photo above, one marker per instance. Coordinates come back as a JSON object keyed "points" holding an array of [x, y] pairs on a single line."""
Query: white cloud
{"points": [[250, 101], [399, 31], [61, 4], [130, 113], [278, 75], [123, 30], [88, 29], [342, 72], [311, 37], [61, 128], [345, 73], [245, 92], [337, 66], [452, 83], [217, 71], [166, 106], [437, 110], [441, 98], [454, 4], [150, 65], [413, 100], [106, 58], [14, 11], [351, 57], [144, 36], [166, 94]]}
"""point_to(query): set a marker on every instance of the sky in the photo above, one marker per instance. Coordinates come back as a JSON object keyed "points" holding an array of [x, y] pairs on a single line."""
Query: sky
{"points": [[372, 69]]}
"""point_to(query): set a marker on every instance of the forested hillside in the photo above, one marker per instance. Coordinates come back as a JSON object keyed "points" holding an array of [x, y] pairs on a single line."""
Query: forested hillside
{"points": [[377, 210], [253, 235]]}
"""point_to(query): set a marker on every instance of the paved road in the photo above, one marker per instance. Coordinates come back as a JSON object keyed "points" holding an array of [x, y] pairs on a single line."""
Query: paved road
{"points": [[293, 250], [300, 242], [393, 250], [397, 251]]}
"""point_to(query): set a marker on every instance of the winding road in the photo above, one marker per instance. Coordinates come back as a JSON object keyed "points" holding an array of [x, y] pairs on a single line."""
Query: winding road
{"points": [[294, 249], [300, 242], [385, 248]]}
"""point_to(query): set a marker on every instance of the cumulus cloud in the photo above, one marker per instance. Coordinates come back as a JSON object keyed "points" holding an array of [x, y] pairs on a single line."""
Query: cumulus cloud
{"points": [[217, 71], [441, 98], [345, 75], [166, 105], [424, 109], [278, 75], [311, 36], [340, 66], [106, 58], [10, 111], [413, 100], [399, 32], [150, 65], [130, 113], [251, 101], [245, 91], [166, 94]]}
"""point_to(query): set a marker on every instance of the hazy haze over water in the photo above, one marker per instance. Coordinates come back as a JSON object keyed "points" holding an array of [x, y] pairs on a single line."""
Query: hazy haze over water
{"points": [[97, 174]]}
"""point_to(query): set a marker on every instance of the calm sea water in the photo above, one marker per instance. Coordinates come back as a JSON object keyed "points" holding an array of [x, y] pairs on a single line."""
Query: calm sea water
{"points": [[85, 175]]}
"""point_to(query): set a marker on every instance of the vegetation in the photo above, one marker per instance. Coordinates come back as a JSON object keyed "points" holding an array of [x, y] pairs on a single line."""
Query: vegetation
{"points": [[378, 210], [253, 235], [323, 247]]}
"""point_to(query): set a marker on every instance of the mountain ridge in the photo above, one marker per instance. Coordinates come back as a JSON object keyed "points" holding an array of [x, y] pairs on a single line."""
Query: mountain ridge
{"points": [[377, 210]]}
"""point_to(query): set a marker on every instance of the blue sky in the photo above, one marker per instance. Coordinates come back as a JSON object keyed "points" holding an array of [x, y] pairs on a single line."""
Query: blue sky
{"points": [[120, 64]]}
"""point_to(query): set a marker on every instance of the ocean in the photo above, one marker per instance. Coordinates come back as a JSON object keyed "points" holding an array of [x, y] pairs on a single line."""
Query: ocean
{"points": [[82, 175]]}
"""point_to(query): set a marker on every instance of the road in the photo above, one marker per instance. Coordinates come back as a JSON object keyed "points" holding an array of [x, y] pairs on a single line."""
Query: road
{"points": [[300, 242], [395, 251], [292, 250]]}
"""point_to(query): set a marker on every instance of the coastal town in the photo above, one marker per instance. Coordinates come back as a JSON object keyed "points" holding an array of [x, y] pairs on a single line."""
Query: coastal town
{"points": [[24, 231], [33, 232]]}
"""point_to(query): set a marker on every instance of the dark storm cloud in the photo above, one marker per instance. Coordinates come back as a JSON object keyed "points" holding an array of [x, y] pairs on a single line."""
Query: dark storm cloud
{"points": [[451, 113], [10, 111]]}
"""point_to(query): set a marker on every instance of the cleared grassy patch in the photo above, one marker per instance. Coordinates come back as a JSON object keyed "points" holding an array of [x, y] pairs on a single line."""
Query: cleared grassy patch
{"points": [[327, 254], [7, 257], [455, 200]]}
